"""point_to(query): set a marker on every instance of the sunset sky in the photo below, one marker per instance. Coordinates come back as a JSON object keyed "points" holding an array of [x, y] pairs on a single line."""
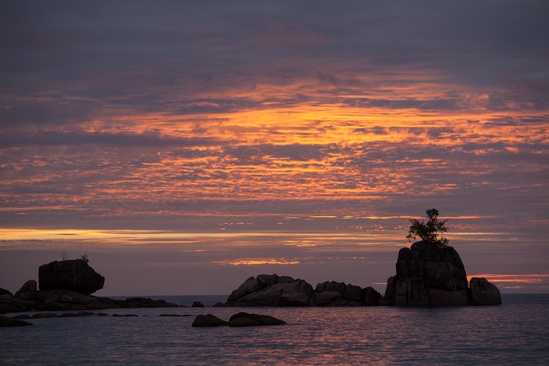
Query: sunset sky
{"points": [[186, 146]]}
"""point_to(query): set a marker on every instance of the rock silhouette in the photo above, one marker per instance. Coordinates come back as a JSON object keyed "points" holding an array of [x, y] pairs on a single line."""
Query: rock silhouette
{"points": [[66, 300], [29, 286], [274, 290], [74, 275], [208, 320], [241, 319], [484, 292], [428, 275]]}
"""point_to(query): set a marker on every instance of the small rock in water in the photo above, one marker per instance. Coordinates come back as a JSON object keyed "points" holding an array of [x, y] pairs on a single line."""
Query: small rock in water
{"points": [[208, 320], [250, 320], [197, 304], [11, 322]]}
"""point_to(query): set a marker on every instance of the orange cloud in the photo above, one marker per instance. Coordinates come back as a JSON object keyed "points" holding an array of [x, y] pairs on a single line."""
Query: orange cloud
{"points": [[527, 278], [258, 261]]}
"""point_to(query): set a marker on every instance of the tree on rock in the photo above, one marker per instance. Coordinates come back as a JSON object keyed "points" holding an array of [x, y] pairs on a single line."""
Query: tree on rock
{"points": [[429, 231]]}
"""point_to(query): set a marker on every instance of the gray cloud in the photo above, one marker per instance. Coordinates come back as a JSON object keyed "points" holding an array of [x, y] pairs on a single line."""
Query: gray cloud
{"points": [[146, 140]]}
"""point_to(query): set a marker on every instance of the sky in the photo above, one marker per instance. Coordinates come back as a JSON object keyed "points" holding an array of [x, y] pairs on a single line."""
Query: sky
{"points": [[184, 146]]}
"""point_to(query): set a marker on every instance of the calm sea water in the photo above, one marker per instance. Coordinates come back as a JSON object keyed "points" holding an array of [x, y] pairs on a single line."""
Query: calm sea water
{"points": [[516, 333]]}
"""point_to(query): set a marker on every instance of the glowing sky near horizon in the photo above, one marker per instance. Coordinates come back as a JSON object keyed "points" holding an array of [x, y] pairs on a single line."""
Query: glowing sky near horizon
{"points": [[252, 137]]}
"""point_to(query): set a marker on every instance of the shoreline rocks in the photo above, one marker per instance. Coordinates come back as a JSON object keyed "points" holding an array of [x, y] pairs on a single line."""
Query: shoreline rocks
{"points": [[62, 300]]}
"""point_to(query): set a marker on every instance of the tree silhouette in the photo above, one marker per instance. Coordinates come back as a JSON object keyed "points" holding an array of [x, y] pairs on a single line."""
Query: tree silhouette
{"points": [[429, 231]]}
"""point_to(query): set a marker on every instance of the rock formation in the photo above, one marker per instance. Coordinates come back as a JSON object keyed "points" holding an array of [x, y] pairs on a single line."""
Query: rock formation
{"points": [[428, 275], [274, 290], [29, 286], [74, 275], [484, 292]]}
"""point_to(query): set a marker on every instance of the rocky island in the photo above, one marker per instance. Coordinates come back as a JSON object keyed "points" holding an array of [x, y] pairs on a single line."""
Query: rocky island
{"points": [[67, 285], [427, 276]]}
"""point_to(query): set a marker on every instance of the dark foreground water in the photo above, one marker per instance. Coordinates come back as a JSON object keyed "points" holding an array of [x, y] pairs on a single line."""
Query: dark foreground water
{"points": [[516, 333]]}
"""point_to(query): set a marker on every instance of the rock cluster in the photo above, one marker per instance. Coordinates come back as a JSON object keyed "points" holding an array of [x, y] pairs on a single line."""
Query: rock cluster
{"points": [[428, 275], [274, 290], [241, 319], [66, 300]]}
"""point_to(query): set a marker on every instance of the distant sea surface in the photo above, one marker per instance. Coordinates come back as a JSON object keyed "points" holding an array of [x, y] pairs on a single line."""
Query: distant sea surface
{"points": [[515, 333]]}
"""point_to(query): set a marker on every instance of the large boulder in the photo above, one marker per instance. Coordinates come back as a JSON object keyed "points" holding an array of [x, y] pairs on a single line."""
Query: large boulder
{"points": [[29, 286], [208, 320], [484, 292], [428, 275], [73, 275], [272, 290]]}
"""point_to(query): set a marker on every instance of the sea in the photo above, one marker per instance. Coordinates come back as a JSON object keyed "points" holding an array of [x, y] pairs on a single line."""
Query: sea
{"points": [[515, 333]]}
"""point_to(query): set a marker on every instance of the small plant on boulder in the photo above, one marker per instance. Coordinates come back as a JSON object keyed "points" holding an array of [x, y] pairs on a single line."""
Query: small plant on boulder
{"points": [[429, 231]]}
